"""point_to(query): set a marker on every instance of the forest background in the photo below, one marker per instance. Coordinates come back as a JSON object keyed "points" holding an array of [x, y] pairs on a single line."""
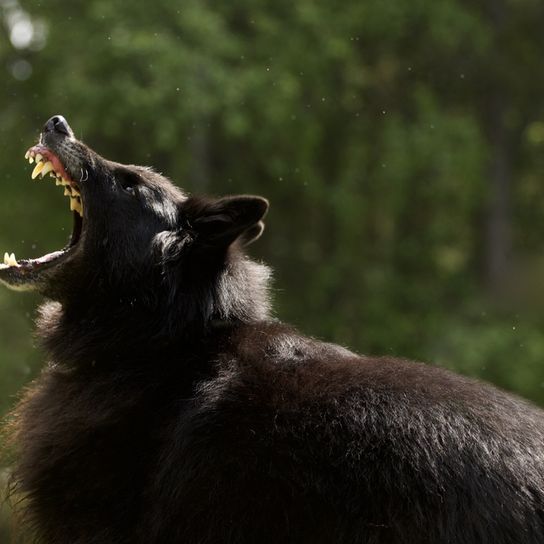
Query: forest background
{"points": [[401, 145]]}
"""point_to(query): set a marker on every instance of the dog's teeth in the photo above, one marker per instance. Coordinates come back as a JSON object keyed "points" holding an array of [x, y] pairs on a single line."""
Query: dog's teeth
{"points": [[37, 169], [52, 175], [57, 181], [38, 157], [31, 159], [75, 205], [48, 167], [27, 155], [10, 260], [67, 191]]}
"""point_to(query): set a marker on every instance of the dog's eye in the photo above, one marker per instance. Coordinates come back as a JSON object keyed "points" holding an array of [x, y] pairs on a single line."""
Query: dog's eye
{"points": [[129, 187], [128, 181]]}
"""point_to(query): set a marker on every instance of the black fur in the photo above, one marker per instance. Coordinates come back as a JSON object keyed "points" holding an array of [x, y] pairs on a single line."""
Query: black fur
{"points": [[175, 410]]}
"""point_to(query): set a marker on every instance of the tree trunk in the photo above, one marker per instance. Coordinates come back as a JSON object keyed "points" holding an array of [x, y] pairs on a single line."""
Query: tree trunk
{"points": [[499, 239]]}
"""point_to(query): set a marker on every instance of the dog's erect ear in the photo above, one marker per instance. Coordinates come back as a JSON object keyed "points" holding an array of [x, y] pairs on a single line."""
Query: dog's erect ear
{"points": [[220, 222], [251, 234]]}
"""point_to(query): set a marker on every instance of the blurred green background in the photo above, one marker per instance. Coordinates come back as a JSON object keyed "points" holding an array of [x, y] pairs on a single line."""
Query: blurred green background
{"points": [[401, 145]]}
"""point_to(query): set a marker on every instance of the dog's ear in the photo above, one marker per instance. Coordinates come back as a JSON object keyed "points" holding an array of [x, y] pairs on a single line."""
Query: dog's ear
{"points": [[220, 222], [251, 234]]}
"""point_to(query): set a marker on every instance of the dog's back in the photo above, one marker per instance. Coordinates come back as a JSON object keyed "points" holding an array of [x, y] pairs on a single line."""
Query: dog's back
{"points": [[282, 439]]}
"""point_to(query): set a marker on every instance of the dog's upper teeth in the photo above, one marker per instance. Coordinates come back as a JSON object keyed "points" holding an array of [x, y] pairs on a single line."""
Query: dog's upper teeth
{"points": [[37, 169], [75, 205], [48, 167]]}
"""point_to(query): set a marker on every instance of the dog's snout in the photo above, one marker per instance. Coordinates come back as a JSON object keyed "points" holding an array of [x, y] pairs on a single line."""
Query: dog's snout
{"points": [[58, 123]]}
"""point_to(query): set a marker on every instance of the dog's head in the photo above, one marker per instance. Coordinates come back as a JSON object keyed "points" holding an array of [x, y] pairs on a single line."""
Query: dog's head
{"points": [[133, 230]]}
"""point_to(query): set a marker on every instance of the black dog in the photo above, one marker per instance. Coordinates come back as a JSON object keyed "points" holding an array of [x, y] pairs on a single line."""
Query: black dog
{"points": [[175, 410]]}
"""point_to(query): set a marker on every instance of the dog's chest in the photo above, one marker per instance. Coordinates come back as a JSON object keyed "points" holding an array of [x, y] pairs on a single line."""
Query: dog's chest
{"points": [[86, 450]]}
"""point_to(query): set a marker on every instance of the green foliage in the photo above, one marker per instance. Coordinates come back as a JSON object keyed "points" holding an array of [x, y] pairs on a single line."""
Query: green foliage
{"points": [[375, 130]]}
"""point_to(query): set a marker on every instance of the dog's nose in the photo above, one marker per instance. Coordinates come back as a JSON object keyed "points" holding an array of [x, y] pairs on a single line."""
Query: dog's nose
{"points": [[58, 123]]}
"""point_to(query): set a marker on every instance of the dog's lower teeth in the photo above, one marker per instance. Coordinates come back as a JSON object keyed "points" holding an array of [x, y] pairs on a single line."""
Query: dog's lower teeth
{"points": [[10, 260]]}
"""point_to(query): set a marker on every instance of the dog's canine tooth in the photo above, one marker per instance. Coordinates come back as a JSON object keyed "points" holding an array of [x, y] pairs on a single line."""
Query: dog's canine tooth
{"points": [[48, 167], [6, 258], [37, 169]]}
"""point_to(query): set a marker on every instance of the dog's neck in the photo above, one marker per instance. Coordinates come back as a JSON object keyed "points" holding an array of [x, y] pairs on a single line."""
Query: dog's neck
{"points": [[242, 292], [131, 327]]}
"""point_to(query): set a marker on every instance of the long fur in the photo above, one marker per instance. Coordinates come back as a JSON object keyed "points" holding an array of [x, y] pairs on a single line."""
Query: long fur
{"points": [[174, 409]]}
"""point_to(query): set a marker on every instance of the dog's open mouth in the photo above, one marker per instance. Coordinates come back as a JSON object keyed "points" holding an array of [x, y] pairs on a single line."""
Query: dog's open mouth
{"points": [[47, 164]]}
